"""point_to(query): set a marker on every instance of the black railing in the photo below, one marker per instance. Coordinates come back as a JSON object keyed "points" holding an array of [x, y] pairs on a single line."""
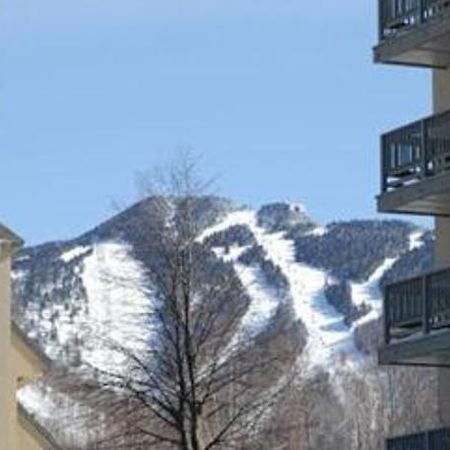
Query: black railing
{"points": [[431, 440], [417, 305], [414, 152], [397, 16]]}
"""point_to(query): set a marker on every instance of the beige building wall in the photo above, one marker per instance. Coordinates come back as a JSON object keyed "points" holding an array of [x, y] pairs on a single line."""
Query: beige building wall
{"points": [[19, 363], [28, 437], [442, 247], [441, 103], [7, 394], [26, 366]]}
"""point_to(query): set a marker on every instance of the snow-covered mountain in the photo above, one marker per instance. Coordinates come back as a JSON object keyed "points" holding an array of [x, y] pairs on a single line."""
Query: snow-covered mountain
{"points": [[326, 277]]}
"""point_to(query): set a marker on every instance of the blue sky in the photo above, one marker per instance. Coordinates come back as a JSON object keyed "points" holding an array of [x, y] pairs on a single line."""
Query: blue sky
{"points": [[280, 98]]}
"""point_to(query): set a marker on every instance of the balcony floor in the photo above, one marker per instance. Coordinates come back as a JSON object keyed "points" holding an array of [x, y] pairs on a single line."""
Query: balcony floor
{"points": [[423, 350], [427, 197], [426, 45]]}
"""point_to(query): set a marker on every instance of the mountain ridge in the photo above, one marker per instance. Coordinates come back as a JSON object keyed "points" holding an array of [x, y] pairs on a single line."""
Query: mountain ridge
{"points": [[285, 262]]}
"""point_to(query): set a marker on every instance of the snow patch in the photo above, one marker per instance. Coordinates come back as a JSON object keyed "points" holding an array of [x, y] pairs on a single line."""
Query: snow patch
{"points": [[17, 275], [264, 298], [369, 292], [319, 231], [118, 303], [416, 240], [46, 405], [22, 258], [264, 303], [35, 402], [232, 254], [239, 217], [74, 253]]}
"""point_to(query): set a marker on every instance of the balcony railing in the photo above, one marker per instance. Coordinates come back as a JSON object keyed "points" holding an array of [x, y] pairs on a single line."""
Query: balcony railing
{"points": [[417, 305], [431, 440], [397, 16], [415, 152]]}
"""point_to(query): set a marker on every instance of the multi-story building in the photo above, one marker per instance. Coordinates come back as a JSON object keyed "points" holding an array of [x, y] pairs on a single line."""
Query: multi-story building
{"points": [[415, 179], [21, 362]]}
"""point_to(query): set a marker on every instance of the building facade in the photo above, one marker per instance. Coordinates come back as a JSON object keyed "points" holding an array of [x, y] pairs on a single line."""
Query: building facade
{"points": [[21, 363], [28, 363], [415, 179]]}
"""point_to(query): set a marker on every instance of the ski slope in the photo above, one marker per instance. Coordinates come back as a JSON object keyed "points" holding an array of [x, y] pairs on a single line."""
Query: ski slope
{"points": [[119, 303], [327, 333], [328, 336]]}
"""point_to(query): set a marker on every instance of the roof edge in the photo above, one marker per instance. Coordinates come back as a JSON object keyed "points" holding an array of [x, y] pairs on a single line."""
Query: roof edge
{"points": [[6, 234]]}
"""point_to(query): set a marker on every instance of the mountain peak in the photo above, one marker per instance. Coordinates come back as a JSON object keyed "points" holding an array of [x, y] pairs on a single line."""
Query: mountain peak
{"points": [[284, 216]]}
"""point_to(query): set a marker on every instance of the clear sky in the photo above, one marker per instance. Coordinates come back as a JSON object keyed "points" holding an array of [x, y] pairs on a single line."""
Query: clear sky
{"points": [[280, 97]]}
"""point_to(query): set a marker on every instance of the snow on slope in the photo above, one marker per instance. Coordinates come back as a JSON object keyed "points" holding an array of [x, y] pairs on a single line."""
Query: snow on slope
{"points": [[74, 253], [258, 313], [46, 405], [328, 336], [318, 231], [264, 302], [261, 310], [416, 240], [326, 329], [118, 303], [369, 292]]}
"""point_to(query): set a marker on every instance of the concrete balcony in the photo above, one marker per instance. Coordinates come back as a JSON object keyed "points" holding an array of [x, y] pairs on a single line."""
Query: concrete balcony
{"points": [[415, 168], [429, 440], [417, 321], [414, 32]]}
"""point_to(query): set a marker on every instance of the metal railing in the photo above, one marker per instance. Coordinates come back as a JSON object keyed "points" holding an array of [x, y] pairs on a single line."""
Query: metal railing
{"points": [[414, 152], [431, 440], [417, 305], [397, 16]]}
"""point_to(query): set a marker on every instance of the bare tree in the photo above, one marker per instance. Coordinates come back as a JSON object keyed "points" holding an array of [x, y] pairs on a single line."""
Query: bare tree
{"points": [[202, 380]]}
